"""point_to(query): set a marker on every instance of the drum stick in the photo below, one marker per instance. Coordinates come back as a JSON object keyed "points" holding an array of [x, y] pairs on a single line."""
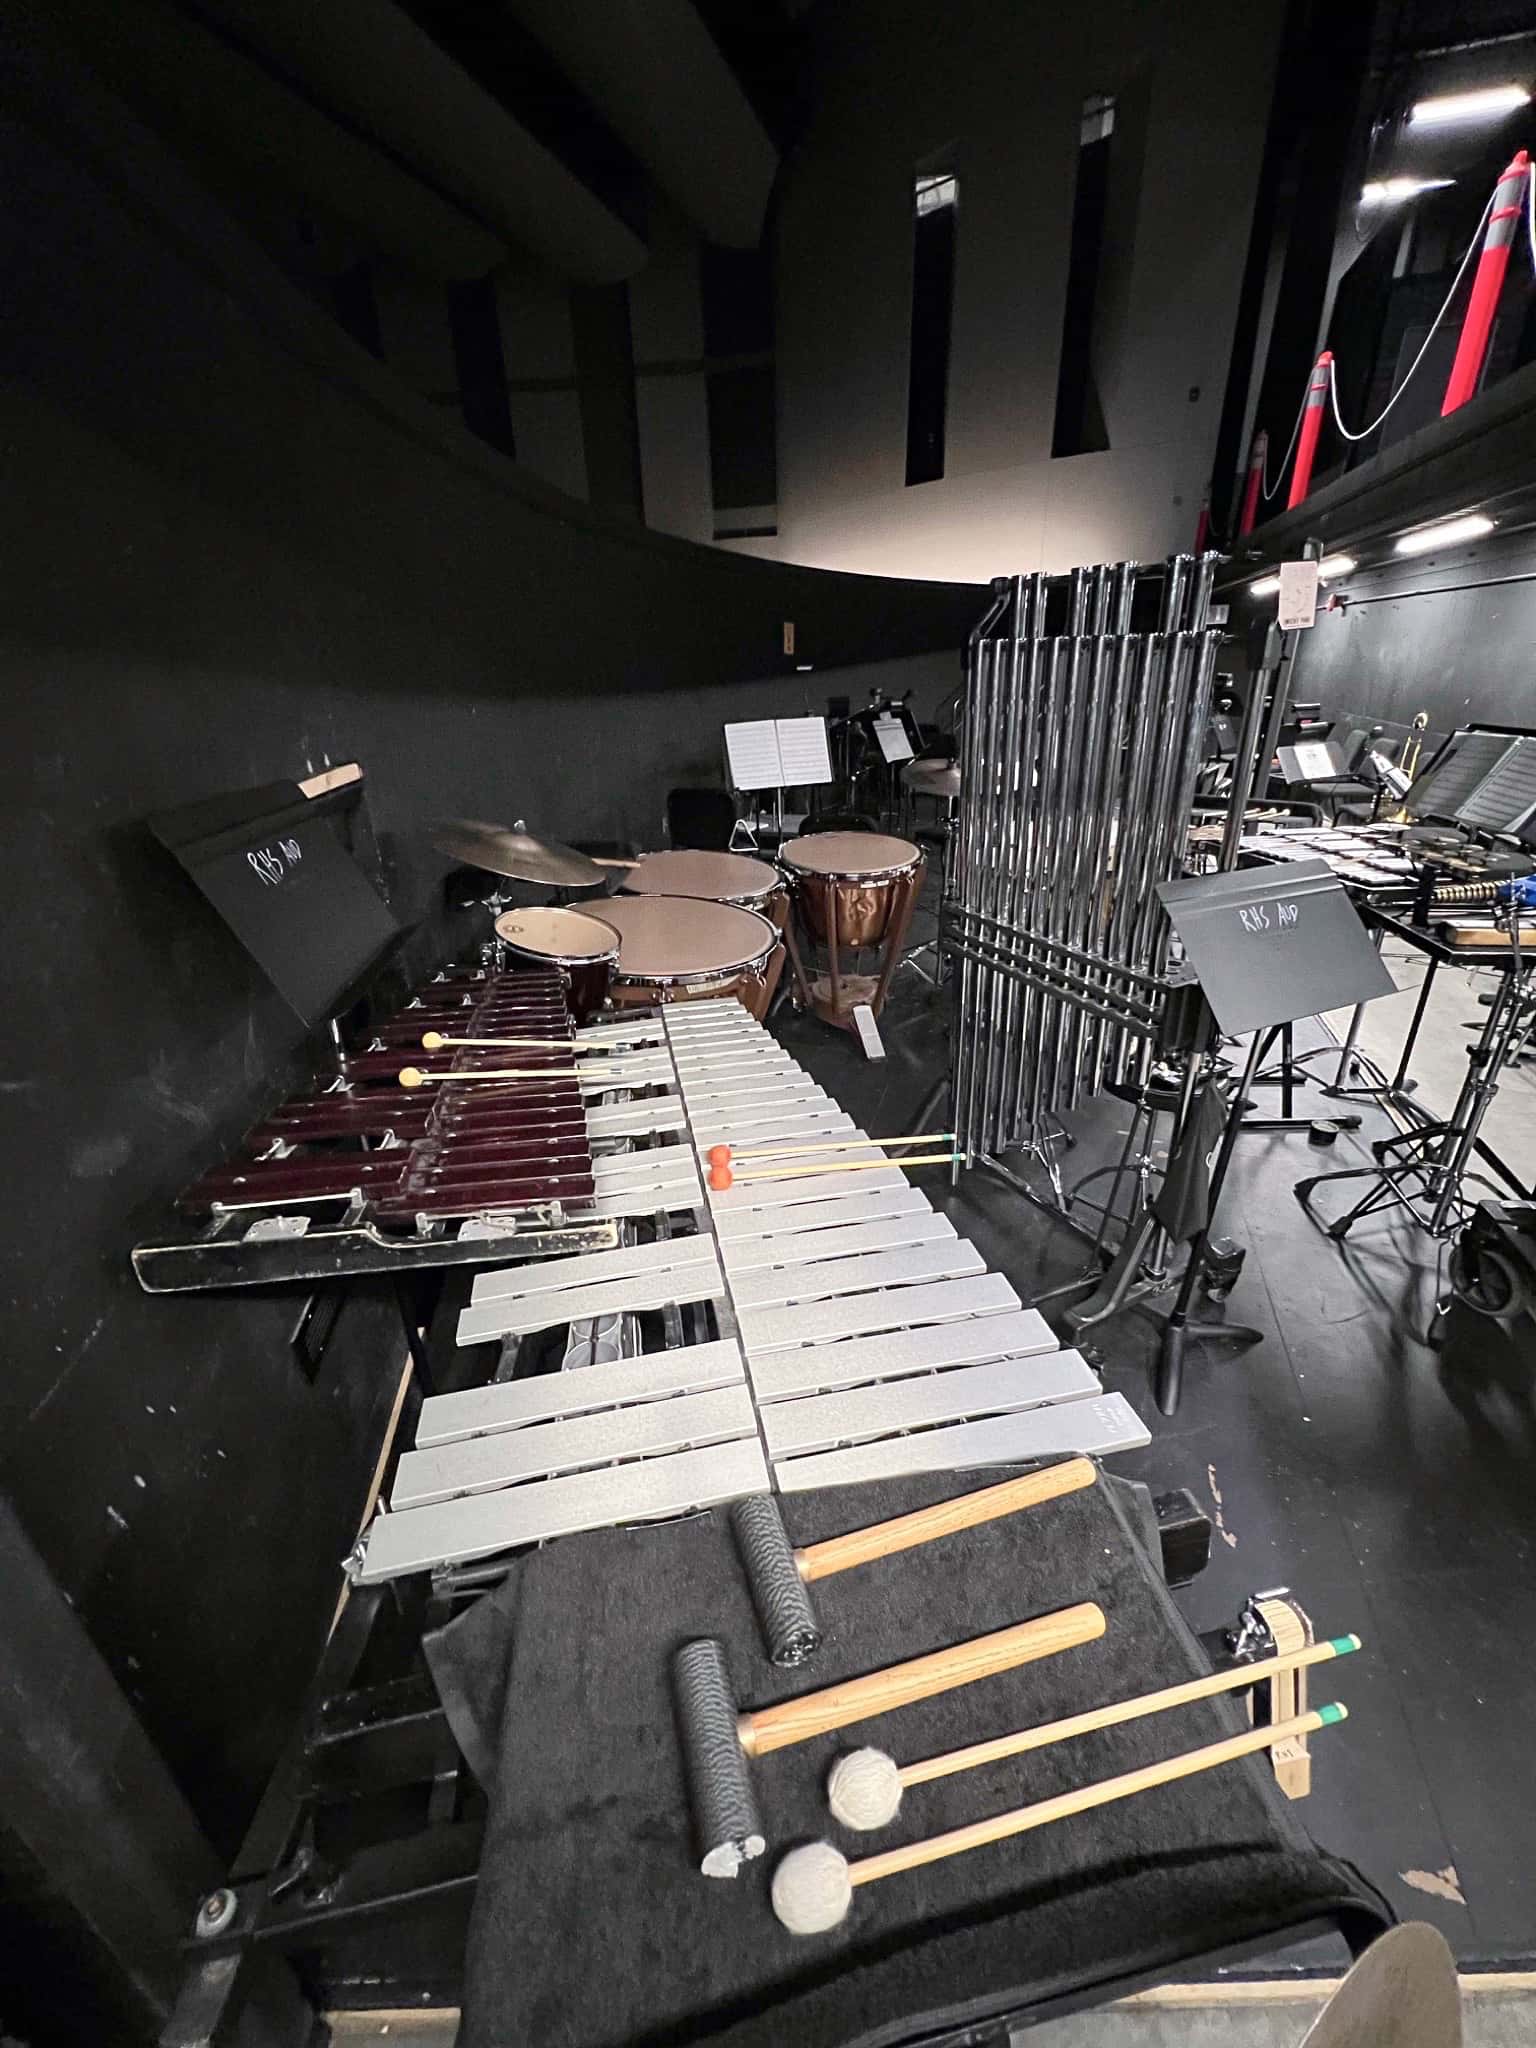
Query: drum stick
{"points": [[722, 1155], [813, 1886], [865, 1785], [721, 1177]]}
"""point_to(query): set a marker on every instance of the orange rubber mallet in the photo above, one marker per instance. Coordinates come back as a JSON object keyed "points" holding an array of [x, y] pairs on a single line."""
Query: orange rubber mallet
{"points": [[721, 1177]]}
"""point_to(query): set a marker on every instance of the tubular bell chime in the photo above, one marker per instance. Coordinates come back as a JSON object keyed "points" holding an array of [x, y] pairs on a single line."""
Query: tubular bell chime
{"points": [[1081, 750]]}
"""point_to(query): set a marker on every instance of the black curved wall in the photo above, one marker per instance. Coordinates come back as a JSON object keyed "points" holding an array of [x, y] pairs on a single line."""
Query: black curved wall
{"points": [[235, 552]]}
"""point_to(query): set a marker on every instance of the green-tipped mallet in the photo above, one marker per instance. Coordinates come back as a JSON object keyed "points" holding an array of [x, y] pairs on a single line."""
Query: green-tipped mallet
{"points": [[865, 1786]]}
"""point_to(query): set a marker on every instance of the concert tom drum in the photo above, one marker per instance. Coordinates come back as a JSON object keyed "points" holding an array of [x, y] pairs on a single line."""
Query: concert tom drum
{"points": [[850, 885], [713, 877], [584, 948], [677, 949]]}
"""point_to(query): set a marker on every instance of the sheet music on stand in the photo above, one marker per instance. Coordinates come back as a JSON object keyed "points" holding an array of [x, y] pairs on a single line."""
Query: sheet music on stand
{"points": [[1505, 799], [777, 753], [892, 736], [1466, 761]]}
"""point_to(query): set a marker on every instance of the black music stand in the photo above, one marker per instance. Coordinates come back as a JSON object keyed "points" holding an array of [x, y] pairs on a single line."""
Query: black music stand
{"points": [[273, 863], [1268, 945]]}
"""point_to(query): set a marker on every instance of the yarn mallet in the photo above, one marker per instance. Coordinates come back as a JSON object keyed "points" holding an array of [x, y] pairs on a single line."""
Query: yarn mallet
{"points": [[778, 1574], [717, 1740], [864, 1787], [813, 1886]]}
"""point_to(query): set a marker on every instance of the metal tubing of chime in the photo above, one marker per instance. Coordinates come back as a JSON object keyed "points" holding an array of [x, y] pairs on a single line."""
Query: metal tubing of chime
{"points": [[1018, 752], [1080, 753], [972, 757]]}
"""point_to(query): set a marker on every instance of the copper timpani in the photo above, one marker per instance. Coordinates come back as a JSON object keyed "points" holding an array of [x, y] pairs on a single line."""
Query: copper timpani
{"points": [[583, 948], [676, 949], [851, 890], [715, 877]]}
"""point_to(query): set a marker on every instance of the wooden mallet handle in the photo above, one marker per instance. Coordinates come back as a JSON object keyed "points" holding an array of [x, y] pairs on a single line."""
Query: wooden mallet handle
{"points": [[434, 1041], [1022, 1818], [722, 1177], [727, 1155], [1048, 1733], [899, 1685], [965, 1511]]}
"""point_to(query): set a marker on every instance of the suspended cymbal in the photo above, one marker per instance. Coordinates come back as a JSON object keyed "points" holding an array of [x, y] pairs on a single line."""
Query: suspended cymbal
{"points": [[517, 853], [1403, 1990], [932, 776]]}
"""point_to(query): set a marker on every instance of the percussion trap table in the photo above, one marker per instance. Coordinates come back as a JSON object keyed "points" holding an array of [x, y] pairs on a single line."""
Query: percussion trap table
{"points": [[592, 1926]]}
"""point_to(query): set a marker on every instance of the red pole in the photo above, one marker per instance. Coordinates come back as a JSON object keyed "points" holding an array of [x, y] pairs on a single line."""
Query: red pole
{"points": [[1203, 524], [1311, 427], [1488, 282], [1256, 461]]}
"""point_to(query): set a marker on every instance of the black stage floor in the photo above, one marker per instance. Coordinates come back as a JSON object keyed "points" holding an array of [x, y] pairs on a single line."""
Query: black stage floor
{"points": [[1338, 1458]]}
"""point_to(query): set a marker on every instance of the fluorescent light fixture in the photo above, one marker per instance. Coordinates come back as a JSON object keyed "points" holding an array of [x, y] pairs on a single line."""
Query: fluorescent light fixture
{"points": [[1484, 105], [1468, 526], [1329, 567], [1394, 191]]}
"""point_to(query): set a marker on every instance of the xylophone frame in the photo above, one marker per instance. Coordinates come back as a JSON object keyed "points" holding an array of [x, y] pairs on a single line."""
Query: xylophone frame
{"points": [[298, 1931]]}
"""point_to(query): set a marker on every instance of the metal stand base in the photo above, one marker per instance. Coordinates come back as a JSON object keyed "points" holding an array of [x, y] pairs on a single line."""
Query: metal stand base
{"points": [[1288, 1075], [1168, 1376], [1425, 1170], [1424, 1186], [1020, 1186]]}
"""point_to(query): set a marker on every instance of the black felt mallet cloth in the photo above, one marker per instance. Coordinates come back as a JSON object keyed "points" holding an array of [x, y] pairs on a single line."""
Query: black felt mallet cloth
{"points": [[592, 1927]]}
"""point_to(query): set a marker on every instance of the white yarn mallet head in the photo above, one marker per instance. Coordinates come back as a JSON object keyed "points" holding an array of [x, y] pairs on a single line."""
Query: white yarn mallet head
{"points": [[864, 1789], [811, 1889]]}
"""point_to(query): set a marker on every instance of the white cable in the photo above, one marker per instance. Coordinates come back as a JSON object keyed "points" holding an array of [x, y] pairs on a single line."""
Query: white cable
{"points": [[1269, 489], [1333, 387]]}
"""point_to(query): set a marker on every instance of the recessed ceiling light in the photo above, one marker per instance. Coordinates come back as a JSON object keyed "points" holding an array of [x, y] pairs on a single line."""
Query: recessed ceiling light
{"points": [[1264, 586], [1394, 191], [1467, 526], [1483, 105]]}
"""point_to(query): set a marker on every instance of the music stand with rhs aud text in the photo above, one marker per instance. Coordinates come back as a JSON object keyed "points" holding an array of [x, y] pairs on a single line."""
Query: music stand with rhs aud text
{"points": [[1267, 946]]}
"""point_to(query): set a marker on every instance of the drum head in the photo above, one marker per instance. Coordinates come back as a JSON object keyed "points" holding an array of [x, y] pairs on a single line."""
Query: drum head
{"points": [[674, 938], [717, 877], [551, 933], [848, 853]]}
